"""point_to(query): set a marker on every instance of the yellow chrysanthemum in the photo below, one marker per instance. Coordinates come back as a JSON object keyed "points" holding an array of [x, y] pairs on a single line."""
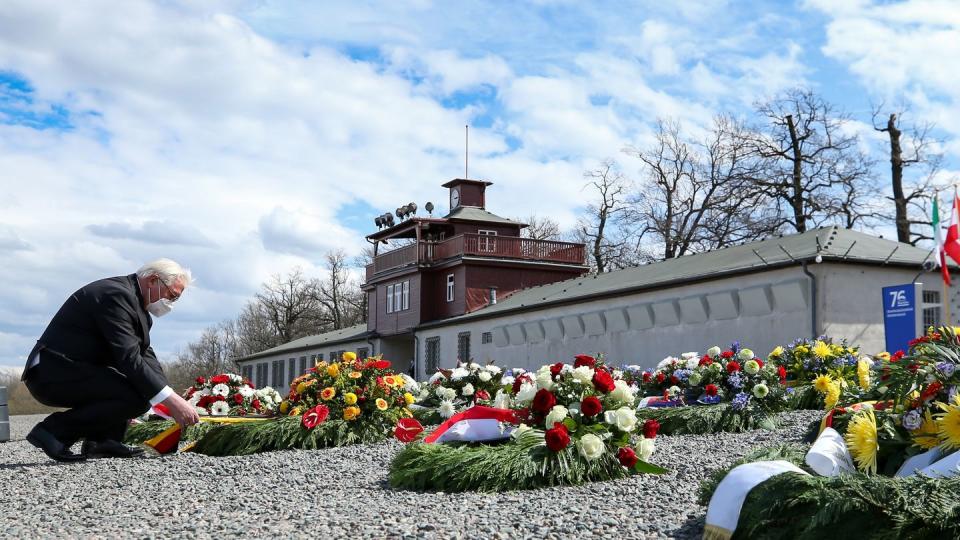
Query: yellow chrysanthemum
{"points": [[408, 397], [328, 393], [832, 397], [382, 404], [822, 383], [776, 353], [927, 436], [863, 374], [948, 425], [349, 413], [355, 374], [284, 407], [349, 356], [302, 387], [350, 398], [800, 350], [821, 350], [862, 440], [885, 356], [333, 370]]}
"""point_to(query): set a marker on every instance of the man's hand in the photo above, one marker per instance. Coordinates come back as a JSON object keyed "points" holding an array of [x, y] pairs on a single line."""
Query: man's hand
{"points": [[182, 412]]}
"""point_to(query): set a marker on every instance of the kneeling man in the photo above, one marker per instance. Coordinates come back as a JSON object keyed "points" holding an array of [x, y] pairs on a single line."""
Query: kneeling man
{"points": [[95, 359]]}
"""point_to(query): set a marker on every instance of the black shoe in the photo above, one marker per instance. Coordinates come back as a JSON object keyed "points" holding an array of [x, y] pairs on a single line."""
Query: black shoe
{"points": [[109, 448], [51, 446]]}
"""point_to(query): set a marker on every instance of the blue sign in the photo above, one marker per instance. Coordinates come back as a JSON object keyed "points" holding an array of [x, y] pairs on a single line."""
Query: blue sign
{"points": [[900, 314]]}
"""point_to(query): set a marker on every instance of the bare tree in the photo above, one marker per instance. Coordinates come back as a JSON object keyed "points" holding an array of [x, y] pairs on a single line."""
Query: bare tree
{"points": [[215, 351], [697, 195], [909, 198], [290, 305], [541, 228], [812, 161], [597, 227], [342, 302]]}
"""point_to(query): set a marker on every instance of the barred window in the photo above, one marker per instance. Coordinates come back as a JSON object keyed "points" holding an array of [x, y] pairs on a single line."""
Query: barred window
{"points": [[432, 355], [262, 371], [463, 346], [278, 374], [486, 337], [931, 297], [303, 363], [291, 368], [247, 372], [363, 352], [931, 317]]}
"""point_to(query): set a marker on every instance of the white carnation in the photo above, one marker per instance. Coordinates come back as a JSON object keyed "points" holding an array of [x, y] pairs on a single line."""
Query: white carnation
{"points": [[492, 369], [235, 379], [459, 373], [583, 375], [245, 391], [689, 355], [692, 363], [622, 392], [220, 390], [220, 408], [624, 418], [714, 351], [467, 389], [446, 394], [507, 381], [484, 376], [447, 409], [473, 366], [668, 361], [590, 446], [645, 448], [526, 392], [556, 414]]}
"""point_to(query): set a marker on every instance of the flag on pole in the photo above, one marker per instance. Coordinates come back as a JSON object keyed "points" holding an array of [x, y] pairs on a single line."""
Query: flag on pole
{"points": [[952, 244], [937, 237]]}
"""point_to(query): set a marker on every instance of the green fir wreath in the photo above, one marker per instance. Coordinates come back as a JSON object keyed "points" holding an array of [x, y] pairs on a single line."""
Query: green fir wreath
{"points": [[705, 419], [521, 463], [284, 433], [144, 431], [854, 506]]}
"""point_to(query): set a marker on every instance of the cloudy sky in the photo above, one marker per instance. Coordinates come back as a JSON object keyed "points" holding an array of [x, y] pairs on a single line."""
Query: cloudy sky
{"points": [[244, 138]]}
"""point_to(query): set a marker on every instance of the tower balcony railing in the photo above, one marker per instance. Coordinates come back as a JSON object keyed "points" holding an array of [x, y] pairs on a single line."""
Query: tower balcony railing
{"points": [[478, 245]]}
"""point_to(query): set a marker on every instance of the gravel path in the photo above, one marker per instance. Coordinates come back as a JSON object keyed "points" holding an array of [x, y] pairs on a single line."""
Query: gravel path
{"points": [[344, 492]]}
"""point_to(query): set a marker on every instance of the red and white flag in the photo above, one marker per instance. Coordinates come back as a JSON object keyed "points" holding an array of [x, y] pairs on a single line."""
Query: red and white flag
{"points": [[938, 240], [952, 244]]}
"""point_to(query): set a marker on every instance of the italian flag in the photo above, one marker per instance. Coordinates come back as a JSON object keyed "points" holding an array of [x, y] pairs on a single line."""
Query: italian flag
{"points": [[951, 246]]}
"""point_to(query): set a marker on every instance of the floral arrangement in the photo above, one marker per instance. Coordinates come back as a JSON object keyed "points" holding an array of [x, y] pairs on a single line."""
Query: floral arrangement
{"points": [[818, 369], [450, 391], [228, 394], [577, 423]]}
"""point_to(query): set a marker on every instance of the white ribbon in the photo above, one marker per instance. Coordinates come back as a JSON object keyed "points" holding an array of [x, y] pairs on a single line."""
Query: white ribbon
{"points": [[944, 468], [918, 463], [829, 455], [475, 430], [727, 501]]}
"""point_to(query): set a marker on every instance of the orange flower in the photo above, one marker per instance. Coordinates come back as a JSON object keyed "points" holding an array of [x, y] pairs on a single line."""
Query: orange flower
{"points": [[333, 370], [390, 380], [349, 413], [328, 393], [355, 374], [382, 404]]}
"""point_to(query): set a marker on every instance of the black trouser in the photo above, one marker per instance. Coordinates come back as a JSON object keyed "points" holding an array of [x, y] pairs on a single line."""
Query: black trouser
{"points": [[101, 400]]}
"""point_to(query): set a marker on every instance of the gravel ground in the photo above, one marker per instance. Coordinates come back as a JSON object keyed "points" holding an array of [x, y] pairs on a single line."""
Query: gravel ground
{"points": [[340, 492]]}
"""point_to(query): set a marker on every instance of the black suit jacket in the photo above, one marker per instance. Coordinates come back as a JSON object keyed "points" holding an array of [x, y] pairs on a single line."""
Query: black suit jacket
{"points": [[105, 323]]}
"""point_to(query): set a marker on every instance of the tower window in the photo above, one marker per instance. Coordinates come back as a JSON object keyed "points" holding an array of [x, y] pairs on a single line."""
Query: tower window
{"points": [[450, 287]]}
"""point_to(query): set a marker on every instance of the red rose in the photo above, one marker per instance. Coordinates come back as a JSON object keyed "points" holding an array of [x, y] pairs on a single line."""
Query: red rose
{"points": [[314, 416], [543, 401], [584, 360], [706, 360], [201, 380], [407, 429], [556, 369], [733, 367], [220, 379], [674, 379], [603, 382], [520, 380], [661, 377], [896, 356], [590, 406], [256, 404], [711, 389], [647, 376], [931, 391], [650, 428], [557, 437], [914, 342], [913, 367], [727, 354], [628, 458], [238, 398], [205, 401], [782, 372], [482, 394], [381, 364]]}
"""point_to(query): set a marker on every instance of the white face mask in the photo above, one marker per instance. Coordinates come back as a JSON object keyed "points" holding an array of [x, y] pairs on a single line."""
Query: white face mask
{"points": [[161, 307]]}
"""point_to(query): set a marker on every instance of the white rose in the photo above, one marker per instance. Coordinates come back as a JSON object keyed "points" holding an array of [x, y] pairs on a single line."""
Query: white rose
{"points": [[473, 366], [645, 448], [220, 390], [668, 361], [622, 392], [526, 392], [507, 381], [714, 351], [544, 380], [583, 375], [624, 418], [694, 378], [436, 377], [556, 414], [502, 400], [459, 373], [689, 355], [447, 409], [590, 446], [245, 391], [692, 363], [467, 390], [492, 369], [745, 354], [484, 376]]}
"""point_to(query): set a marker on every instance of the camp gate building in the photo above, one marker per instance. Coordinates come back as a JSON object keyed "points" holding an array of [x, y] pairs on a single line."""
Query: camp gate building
{"points": [[466, 286]]}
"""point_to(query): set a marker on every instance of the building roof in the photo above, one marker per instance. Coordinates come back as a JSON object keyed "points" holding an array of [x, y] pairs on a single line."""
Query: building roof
{"points": [[831, 243], [472, 213], [350, 333]]}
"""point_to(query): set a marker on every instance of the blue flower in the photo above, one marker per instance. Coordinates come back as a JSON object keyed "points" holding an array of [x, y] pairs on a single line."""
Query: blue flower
{"points": [[735, 381], [740, 401], [735, 347], [947, 369]]}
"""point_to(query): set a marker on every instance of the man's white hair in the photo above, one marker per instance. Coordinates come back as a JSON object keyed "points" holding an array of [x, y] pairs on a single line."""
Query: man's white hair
{"points": [[167, 270]]}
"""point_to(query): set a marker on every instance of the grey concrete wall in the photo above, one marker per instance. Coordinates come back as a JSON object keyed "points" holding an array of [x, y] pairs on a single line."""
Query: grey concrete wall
{"points": [[285, 356]]}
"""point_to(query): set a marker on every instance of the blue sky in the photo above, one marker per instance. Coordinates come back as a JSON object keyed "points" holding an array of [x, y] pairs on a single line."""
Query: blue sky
{"points": [[245, 138]]}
